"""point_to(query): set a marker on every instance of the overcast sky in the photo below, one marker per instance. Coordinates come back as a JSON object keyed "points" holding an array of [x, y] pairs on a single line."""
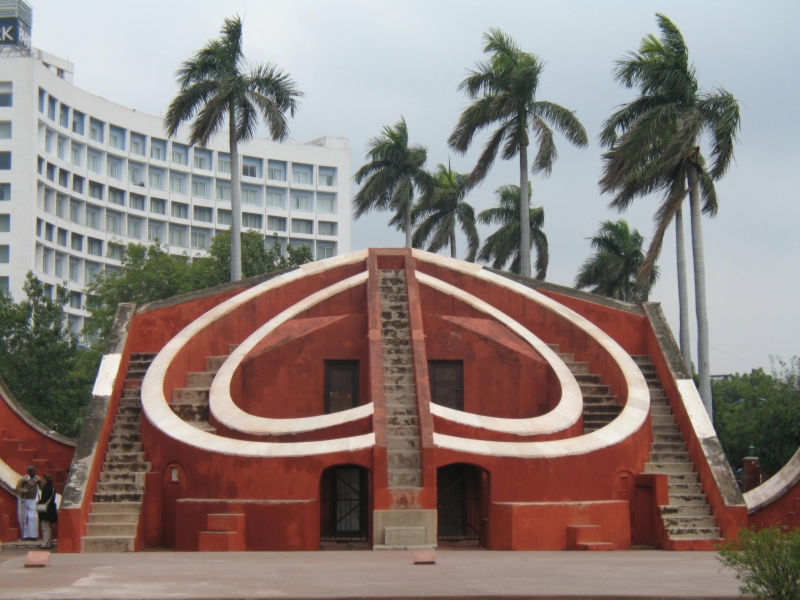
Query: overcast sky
{"points": [[363, 64]]}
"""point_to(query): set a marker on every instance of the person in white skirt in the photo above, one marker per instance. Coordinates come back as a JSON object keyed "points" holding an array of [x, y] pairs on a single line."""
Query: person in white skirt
{"points": [[28, 489]]}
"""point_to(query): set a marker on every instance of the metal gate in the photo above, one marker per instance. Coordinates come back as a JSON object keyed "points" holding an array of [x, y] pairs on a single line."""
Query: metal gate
{"points": [[459, 503], [345, 505]]}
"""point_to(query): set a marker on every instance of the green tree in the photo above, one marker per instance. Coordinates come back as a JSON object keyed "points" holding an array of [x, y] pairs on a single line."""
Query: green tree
{"points": [[147, 273], [394, 173], [612, 270], [217, 85], [502, 246], [439, 211], [40, 360], [503, 93], [654, 147]]}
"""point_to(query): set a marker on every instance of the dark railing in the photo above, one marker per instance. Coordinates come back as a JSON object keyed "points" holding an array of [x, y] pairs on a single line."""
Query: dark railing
{"points": [[459, 503], [345, 505]]}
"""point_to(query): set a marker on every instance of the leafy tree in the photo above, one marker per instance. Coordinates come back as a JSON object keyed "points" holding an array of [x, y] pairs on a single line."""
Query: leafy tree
{"points": [[440, 210], [654, 147], [40, 360], [611, 271], [503, 93], [502, 246], [216, 86], [148, 273], [395, 171], [767, 563]]}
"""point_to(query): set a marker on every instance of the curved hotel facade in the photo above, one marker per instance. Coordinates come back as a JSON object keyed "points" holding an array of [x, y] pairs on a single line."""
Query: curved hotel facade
{"points": [[81, 176]]}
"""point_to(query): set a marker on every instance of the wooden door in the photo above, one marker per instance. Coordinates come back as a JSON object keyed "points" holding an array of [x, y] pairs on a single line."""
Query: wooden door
{"points": [[447, 383], [341, 385]]}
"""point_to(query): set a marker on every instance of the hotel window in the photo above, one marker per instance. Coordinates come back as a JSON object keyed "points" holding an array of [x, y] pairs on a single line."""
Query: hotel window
{"points": [[48, 142], [224, 166], [6, 94], [158, 207], [75, 157], [48, 232], [137, 202], [77, 184], [224, 192], [90, 275], [60, 207], [302, 226], [5, 192], [224, 217], [276, 224], [176, 185], [51, 108], [180, 211], [301, 203], [327, 179], [73, 213], [249, 197], [5, 130], [60, 149], [59, 268], [95, 247], [63, 178], [199, 189], [77, 242], [250, 170], [300, 177], [115, 251], [61, 237], [204, 214], [116, 196], [63, 118], [154, 233], [275, 200], [95, 190], [324, 252], [176, 237], [326, 228], [112, 169], [156, 152], [114, 141], [94, 134], [134, 175], [275, 174], [73, 271], [133, 229], [326, 205], [155, 181], [200, 162], [199, 240], [177, 157], [136, 147], [111, 224], [5, 223], [92, 163], [91, 219], [5, 161], [251, 220]]}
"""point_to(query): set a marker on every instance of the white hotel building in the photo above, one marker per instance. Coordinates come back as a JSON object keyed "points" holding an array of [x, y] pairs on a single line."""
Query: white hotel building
{"points": [[81, 176]]}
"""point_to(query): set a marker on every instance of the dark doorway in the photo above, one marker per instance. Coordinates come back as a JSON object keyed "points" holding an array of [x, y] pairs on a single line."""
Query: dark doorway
{"points": [[341, 385], [345, 505], [459, 503], [447, 378]]}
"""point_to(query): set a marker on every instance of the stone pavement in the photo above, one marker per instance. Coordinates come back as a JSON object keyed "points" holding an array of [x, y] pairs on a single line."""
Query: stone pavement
{"points": [[385, 575]]}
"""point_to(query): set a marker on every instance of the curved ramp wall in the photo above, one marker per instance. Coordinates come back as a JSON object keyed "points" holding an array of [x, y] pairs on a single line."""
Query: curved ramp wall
{"points": [[776, 502]]}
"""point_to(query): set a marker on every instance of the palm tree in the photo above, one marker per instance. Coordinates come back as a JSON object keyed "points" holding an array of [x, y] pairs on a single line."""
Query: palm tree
{"points": [[440, 210], [613, 268], [502, 246], [654, 147], [503, 93], [218, 84], [394, 172]]}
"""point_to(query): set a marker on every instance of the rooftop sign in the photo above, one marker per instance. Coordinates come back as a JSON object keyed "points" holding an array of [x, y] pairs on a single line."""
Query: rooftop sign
{"points": [[16, 18]]}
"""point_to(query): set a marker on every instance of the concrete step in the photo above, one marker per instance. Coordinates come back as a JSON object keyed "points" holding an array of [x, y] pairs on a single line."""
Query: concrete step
{"points": [[686, 510], [396, 342], [398, 365], [116, 507], [125, 428], [591, 389], [199, 380], [120, 477], [203, 426], [131, 467], [144, 356], [124, 437], [112, 457], [647, 368], [115, 497], [397, 350], [665, 428], [676, 478], [402, 431], [602, 409], [391, 314], [641, 359], [119, 487], [393, 297], [673, 467], [132, 384], [190, 396], [590, 379], [403, 460], [402, 420], [555, 348], [399, 410], [653, 385], [131, 409], [666, 437], [214, 363], [402, 443], [398, 379], [567, 357], [668, 447], [401, 399], [579, 368], [669, 457], [114, 517], [401, 388], [685, 488], [191, 412], [668, 419], [405, 478], [107, 544], [599, 400], [693, 532], [139, 365], [131, 394], [135, 375], [396, 334], [693, 522], [684, 499], [111, 529], [660, 410]]}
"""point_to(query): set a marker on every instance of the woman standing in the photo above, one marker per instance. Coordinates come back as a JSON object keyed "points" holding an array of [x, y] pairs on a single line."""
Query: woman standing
{"points": [[50, 513]]}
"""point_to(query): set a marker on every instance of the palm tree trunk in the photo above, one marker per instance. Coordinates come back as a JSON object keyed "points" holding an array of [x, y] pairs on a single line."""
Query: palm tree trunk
{"points": [[408, 222], [524, 215], [236, 199], [453, 241], [683, 291], [703, 367]]}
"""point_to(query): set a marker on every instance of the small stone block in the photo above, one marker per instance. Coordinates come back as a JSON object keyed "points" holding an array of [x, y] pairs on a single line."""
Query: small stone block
{"points": [[405, 536], [424, 557], [37, 558]]}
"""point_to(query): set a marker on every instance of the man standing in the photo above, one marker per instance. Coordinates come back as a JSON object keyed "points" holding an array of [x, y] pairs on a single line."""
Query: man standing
{"points": [[28, 488]]}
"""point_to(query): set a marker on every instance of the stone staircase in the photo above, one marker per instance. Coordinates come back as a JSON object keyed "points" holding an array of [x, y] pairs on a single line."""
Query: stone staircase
{"points": [[402, 420], [114, 514], [688, 516], [600, 407], [191, 403]]}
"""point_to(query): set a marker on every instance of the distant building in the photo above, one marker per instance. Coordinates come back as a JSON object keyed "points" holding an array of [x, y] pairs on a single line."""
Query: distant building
{"points": [[81, 176]]}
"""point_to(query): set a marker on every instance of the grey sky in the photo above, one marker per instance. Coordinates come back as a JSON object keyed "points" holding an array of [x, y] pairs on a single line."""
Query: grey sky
{"points": [[362, 64]]}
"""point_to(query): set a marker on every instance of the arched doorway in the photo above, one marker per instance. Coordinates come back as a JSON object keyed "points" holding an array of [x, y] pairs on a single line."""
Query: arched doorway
{"points": [[460, 492], [344, 504]]}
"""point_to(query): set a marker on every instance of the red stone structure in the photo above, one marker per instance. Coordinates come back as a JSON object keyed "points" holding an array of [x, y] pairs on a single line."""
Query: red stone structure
{"points": [[398, 399]]}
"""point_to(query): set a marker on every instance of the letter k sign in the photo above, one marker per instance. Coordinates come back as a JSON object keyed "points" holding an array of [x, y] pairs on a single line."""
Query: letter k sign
{"points": [[5, 33]]}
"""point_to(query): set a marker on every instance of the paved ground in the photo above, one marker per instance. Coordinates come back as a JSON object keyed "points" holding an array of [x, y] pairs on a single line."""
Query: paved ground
{"points": [[385, 575]]}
